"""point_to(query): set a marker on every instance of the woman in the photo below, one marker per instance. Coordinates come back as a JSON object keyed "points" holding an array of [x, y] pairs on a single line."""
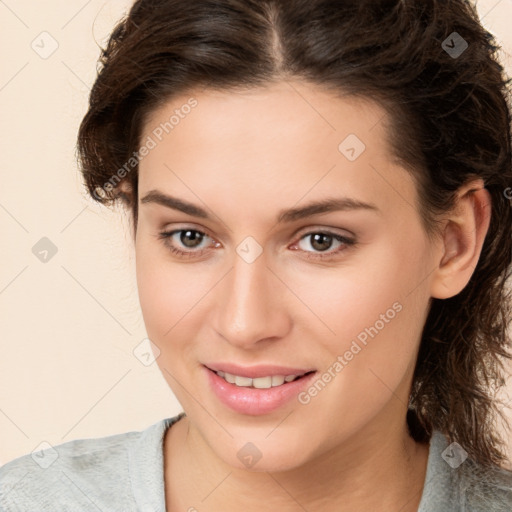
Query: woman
{"points": [[320, 201]]}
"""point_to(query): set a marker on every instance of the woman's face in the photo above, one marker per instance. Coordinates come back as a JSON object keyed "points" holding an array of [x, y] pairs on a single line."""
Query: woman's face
{"points": [[269, 287]]}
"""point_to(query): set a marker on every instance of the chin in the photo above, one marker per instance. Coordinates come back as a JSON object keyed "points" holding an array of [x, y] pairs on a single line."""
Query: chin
{"points": [[262, 456]]}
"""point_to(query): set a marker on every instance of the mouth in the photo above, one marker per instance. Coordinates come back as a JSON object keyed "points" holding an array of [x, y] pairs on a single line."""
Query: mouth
{"points": [[257, 390], [266, 382]]}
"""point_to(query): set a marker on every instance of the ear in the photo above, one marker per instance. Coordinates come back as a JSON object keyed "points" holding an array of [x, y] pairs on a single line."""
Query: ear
{"points": [[462, 240]]}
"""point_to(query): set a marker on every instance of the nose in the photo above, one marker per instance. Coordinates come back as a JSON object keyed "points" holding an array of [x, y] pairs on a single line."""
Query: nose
{"points": [[252, 305]]}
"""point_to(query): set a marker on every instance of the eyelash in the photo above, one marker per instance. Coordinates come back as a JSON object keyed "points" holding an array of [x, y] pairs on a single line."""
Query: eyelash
{"points": [[166, 235]]}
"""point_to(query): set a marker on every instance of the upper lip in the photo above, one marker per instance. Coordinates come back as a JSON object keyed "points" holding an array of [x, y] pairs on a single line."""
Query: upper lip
{"points": [[253, 372]]}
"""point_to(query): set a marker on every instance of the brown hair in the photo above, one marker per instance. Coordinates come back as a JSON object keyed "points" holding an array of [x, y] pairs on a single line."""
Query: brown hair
{"points": [[449, 123]]}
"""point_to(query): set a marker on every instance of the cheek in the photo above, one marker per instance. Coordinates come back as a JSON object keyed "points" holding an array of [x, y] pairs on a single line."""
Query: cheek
{"points": [[172, 299], [375, 311], [368, 291], [160, 291], [164, 303]]}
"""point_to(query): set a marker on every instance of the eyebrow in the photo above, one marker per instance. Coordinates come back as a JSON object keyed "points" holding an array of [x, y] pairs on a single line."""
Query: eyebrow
{"points": [[288, 215]]}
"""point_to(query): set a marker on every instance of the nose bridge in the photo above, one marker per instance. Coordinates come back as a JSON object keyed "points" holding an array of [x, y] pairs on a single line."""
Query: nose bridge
{"points": [[251, 307]]}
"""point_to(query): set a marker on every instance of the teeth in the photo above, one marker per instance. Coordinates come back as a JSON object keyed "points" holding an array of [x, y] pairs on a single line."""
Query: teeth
{"points": [[243, 381], [262, 382], [259, 382], [277, 380]]}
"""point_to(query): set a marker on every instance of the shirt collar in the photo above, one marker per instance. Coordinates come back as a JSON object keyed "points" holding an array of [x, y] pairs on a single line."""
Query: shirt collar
{"points": [[439, 489], [146, 466]]}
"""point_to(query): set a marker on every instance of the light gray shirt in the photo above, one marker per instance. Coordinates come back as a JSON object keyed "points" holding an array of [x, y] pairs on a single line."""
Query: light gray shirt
{"points": [[125, 472]]}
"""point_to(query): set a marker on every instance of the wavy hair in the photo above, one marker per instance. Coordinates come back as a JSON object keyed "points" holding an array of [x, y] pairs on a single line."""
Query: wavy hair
{"points": [[436, 72]]}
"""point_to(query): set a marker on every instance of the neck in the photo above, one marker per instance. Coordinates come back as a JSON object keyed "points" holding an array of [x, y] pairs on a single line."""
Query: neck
{"points": [[375, 469]]}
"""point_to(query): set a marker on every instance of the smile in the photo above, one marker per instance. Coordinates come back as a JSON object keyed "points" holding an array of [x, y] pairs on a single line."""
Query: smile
{"points": [[259, 382], [260, 391]]}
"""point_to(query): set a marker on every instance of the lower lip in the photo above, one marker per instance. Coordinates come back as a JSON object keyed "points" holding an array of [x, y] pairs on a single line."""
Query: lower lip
{"points": [[252, 401]]}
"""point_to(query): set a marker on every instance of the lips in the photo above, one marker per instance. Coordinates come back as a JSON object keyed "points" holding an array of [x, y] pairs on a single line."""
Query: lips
{"points": [[244, 397], [253, 372]]}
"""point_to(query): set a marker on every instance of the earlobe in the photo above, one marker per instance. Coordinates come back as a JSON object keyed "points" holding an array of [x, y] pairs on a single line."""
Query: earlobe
{"points": [[462, 240]]}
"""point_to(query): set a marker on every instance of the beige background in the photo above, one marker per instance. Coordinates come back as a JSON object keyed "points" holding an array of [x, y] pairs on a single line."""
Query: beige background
{"points": [[70, 325]]}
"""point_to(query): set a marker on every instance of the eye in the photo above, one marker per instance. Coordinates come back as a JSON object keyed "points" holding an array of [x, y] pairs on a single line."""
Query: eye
{"points": [[322, 241], [191, 239]]}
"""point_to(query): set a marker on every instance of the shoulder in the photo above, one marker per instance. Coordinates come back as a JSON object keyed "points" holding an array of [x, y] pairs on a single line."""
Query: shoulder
{"points": [[83, 473], [486, 489], [457, 483], [75, 472]]}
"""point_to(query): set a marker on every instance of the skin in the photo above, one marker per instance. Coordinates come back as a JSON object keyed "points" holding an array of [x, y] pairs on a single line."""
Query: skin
{"points": [[244, 156]]}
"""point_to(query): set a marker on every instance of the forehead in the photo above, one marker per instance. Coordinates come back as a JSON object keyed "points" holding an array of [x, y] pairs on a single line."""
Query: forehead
{"points": [[277, 143], [262, 114]]}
